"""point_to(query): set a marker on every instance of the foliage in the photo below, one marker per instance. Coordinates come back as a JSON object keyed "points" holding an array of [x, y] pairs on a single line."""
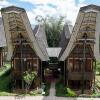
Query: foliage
{"points": [[95, 95], [38, 91], [60, 89], [47, 88], [4, 69], [63, 91], [53, 29], [28, 78], [35, 92], [98, 66], [70, 92], [5, 82], [5, 79]]}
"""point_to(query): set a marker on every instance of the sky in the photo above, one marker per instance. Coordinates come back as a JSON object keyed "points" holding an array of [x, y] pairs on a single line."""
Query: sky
{"points": [[67, 8]]}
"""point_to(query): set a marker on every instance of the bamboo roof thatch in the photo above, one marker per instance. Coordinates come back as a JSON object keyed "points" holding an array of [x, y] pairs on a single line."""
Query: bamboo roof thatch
{"points": [[88, 16], [65, 36], [19, 15]]}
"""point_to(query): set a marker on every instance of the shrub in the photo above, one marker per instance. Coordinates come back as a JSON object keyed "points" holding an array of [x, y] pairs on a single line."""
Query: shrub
{"points": [[95, 95], [70, 92], [60, 90], [35, 92], [29, 78], [47, 88]]}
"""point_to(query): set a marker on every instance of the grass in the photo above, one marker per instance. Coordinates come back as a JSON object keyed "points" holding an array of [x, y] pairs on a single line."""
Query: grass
{"points": [[5, 68], [7, 94], [5, 82], [5, 79], [60, 89]]}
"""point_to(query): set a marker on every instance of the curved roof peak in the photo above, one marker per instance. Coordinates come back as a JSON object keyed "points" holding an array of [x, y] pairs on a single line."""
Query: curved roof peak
{"points": [[12, 8], [91, 7]]}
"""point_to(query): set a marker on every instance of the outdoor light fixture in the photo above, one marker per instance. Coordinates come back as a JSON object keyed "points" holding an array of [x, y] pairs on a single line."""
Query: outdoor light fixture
{"points": [[47, 69], [24, 59], [59, 69]]}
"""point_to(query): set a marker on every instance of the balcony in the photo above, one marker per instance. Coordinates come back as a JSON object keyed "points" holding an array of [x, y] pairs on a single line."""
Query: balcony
{"points": [[79, 76]]}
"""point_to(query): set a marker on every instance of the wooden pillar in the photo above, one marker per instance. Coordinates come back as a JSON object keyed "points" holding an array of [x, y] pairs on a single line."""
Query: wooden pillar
{"points": [[37, 64], [61, 64], [66, 72], [32, 65], [3, 56], [41, 72], [14, 63], [0, 58], [43, 65], [62, 69], [73, 62], [94, 71], [65, 78]]}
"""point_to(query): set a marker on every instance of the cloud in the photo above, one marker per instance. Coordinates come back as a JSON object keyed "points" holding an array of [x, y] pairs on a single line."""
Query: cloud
{"points": [[44, 11], [4, 3], [55, 8], [66, 8], [38, 1]]}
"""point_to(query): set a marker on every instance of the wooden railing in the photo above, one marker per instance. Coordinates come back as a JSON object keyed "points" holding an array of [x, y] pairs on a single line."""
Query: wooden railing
{"points": [[79, 75]]}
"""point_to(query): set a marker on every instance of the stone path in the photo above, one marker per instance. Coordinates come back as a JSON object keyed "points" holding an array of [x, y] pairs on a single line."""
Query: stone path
{"points": [[52, 92], [52, 89], [43, 98]]}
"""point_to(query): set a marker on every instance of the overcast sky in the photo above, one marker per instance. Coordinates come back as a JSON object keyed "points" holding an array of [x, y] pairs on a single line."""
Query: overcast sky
{"points": [[67, 8]]}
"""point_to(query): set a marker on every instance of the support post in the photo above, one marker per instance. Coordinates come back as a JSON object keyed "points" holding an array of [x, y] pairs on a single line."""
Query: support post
{"points": [[84, 61], [94, 71], [65, 73]]}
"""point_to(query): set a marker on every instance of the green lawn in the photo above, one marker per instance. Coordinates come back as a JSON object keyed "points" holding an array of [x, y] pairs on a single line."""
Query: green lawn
{"points": [[60, 89], [5, 82], [5, 79], [5, 68]]}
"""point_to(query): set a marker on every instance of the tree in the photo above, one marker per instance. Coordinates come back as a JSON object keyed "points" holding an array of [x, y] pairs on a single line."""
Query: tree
{"points": [[53, 29]]}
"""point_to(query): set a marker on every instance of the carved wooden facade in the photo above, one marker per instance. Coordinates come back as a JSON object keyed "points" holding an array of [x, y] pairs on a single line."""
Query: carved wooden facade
{"points": [[23, 48], [24, 59], [75, 66], [78, 57], [80, 65]]}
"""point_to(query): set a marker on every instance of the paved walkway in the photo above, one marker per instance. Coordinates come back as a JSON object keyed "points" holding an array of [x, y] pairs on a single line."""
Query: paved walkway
{"points": [[52, 89], [52, 92], [43, 98]]}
